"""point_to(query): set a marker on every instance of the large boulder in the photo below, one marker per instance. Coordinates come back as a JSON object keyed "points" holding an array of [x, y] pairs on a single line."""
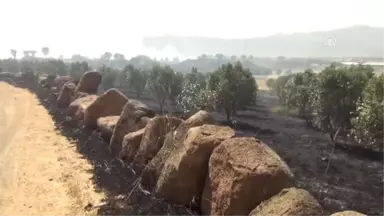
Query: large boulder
{"points": [[183, 176], [59, 82], [173, 139], [290, 201], [348, 213], [242, 173], [153, 138], [77, 107], [135, 115], [109, 103], [106, 125], [66, 95], [89, 82], [130, 145]]}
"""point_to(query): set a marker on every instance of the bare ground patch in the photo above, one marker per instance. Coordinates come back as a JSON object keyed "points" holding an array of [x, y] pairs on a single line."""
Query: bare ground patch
{"points": [[37, 152]]}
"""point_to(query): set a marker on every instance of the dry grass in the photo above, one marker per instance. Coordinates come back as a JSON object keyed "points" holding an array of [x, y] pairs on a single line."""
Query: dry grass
{"points": [[79, 199], [74, 192]]}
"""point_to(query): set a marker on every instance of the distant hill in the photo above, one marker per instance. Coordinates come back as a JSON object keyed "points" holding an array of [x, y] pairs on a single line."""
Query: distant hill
{"points": [[356, 41]]}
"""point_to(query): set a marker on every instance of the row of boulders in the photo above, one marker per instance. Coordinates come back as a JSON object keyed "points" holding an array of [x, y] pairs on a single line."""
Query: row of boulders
{"points": [[189, 162]]}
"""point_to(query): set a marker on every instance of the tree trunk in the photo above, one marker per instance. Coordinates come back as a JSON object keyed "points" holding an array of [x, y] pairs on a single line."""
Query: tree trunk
{"points": [[162, 106], [228, 114], [138, 94]]}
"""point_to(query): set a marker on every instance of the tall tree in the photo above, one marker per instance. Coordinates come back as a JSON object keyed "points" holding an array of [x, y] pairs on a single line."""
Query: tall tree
{"points": [[235, 88], [190, 98], [118, 56], [219, 56], [106, 56], [14, 53], [368, 125], [77, 69], [33, 53], [45, 51], [233, 58], [176, 85], [136, 79], [109, 77], [26, 53], [159, 83], [334, 100]]}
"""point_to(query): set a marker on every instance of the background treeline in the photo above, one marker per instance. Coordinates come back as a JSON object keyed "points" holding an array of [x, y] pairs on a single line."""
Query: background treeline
{"points": [[228, 88], [342, 101], [205, 63]]}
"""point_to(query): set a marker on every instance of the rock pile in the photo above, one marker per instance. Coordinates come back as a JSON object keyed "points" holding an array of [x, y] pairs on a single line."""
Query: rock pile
{"points": [[192, 162]]}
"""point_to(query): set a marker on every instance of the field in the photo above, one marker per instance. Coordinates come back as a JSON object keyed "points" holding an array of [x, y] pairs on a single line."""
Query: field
{"points": [[339, 179]]}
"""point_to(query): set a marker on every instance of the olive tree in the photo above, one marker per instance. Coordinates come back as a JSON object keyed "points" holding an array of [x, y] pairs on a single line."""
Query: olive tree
{"points": [[109, 77], [368, 125], [136, 79], [334, 99], [159, 83], [191, 95], [234, 87]]}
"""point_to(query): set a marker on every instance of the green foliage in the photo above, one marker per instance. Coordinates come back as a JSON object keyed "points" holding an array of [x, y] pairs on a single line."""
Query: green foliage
{"points": [[13, 53], [77, 69], [271, 83], [109, 77], [159, 83], [136, 79], [118, 56], [325, 97], [176, 85], [298, 89], [234, 87], [45, 50], [193, 92], [336, 96], [106, 56], [346, 98], [279, 89], [10, 65], [53, 66], [368, 125], [196, 77]]}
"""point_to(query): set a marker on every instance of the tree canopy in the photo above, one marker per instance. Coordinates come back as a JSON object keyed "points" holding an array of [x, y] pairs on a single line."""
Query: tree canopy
{"points": [[235, 88]]}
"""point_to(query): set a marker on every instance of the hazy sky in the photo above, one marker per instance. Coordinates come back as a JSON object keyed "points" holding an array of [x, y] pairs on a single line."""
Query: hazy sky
{"points": [[91, 27]]}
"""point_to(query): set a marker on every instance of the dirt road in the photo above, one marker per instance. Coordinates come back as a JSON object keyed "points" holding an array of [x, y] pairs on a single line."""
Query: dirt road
{"points": [[40, 171]]}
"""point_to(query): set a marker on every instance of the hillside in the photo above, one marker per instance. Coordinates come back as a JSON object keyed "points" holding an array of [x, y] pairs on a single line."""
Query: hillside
{"points": [[361, 41]]}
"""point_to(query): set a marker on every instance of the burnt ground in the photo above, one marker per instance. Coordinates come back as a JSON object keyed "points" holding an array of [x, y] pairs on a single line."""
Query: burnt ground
{"points": [[354, 178], [353, 181]]}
